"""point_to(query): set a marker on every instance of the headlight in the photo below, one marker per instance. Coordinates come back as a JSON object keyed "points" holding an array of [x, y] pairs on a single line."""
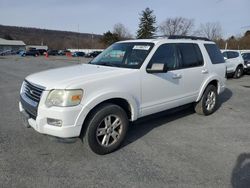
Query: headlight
{"points": [[22, 88], [64, 98]]}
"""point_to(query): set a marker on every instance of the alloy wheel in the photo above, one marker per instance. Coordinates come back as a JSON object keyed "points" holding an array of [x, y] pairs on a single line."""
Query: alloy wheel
{"points": [[109, 130]]}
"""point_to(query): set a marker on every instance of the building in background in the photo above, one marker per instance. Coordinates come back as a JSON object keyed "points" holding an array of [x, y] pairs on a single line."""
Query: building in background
{"points": [[14, 45]]}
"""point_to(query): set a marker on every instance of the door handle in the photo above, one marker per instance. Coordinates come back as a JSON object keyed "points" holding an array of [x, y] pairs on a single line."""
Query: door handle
{"points": [[176, 76], [204, 71]]}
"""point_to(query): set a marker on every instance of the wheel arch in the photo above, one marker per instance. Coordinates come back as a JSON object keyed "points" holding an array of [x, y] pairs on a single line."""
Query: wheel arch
{"points": [[240, 65], [211, 81], [125, 101], [122, 102]]}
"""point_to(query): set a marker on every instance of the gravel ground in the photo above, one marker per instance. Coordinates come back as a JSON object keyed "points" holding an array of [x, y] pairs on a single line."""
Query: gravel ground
{"points": [[171, 149]]}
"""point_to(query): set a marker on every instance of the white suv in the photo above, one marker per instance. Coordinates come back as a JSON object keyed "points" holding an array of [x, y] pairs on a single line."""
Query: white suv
{"points": [[234, 62], [127, 81]]}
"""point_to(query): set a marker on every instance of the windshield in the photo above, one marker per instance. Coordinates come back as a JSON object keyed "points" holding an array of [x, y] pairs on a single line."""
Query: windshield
{"points": [[246, 56], [125, 55]]}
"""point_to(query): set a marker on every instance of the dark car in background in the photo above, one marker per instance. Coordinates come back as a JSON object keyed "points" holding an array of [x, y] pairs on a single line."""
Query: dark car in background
{"points": [[93, 54], [41, 51], [52, 52], [78, 54], [63, 52], [31, 52]]}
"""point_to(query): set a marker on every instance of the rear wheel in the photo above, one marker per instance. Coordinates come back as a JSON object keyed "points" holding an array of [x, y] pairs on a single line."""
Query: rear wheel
{"points": [[239, 72], [106, 129], [208, 102]]}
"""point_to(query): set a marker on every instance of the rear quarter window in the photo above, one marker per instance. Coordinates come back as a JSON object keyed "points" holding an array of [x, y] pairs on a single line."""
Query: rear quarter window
{"points": [[214, 53]]}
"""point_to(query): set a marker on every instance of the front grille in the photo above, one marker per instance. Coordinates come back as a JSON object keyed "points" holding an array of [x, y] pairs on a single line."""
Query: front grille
{"points": [[30, 98], [32, 91]]}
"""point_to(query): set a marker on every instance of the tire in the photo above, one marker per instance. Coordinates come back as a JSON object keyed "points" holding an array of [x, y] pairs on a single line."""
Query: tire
{"points": [[238, 72], [208, 102], [102, 134]]}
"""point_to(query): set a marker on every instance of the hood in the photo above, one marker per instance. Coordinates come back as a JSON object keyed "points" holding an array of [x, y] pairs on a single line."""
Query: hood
{"points": [[62, 78]]}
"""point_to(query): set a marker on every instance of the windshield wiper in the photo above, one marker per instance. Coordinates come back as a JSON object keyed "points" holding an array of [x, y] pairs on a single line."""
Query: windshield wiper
{"points": [[106, 64]]}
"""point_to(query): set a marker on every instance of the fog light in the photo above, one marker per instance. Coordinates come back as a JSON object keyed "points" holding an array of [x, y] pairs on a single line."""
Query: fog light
{"points": [[54, 122]]}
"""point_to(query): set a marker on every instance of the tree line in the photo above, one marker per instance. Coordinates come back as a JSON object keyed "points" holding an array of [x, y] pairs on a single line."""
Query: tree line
{"points": [[52, 38], [148, 28]]}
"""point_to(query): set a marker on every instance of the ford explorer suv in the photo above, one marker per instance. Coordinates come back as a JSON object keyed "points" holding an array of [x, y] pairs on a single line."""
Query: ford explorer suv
{"points": [[129, 80], [234, 63]]}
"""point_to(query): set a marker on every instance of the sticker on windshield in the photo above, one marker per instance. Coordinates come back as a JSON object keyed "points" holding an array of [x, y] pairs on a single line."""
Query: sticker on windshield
{"points": [[141, 47]]}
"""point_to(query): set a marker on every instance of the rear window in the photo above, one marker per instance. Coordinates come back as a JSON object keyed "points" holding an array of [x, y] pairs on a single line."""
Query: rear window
{"points": [[190, 55], [214, 53]]}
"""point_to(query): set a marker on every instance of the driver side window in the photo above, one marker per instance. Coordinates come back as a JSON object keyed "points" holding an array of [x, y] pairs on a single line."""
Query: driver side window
{"points": [[165, 54]]}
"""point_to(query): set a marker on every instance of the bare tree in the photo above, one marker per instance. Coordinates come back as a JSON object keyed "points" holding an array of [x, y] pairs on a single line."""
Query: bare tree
{"points": [[211, 30], [177, 26], [121, 31]]}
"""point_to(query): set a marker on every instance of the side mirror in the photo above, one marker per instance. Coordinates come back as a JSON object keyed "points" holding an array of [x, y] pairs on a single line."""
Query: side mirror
{"points": [[157, 68]]}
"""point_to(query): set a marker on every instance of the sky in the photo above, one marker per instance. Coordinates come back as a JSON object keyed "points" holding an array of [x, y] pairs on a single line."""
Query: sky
{"points": [[99, 16]]}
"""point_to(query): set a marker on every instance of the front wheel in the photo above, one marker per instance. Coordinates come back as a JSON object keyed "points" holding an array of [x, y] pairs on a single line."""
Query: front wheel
{"points": [[106, 129], [208, 102], [238, 73]]}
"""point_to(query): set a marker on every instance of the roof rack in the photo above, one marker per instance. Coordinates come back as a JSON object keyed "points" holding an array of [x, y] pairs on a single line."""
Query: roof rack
{"points": [[182, 37]]}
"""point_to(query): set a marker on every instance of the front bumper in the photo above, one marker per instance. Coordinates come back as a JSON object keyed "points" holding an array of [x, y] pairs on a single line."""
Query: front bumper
{"points": [[68, 115]]}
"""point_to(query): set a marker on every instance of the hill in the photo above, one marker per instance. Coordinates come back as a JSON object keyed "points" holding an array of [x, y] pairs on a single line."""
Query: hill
{"points": [[53, 38]]}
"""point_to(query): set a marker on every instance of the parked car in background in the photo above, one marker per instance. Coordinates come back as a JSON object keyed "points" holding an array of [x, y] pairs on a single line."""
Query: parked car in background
{"points": [[6, 52], [234, 63], [78, 54], [21, 52], [63, 52], [93, 54], [52, 52], [246, 57], [31, 52], [41, 51]]}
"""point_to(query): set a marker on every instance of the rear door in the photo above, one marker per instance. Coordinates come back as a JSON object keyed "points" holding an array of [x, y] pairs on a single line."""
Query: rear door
{"points": [[192, 69]]}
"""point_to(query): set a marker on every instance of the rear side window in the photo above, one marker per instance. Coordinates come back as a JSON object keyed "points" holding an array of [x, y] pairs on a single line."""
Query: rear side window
{"points": [[214, 53], [190, 55]]}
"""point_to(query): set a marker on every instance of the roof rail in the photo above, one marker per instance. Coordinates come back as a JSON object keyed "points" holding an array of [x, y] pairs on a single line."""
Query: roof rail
{"points": [[182, 37]]}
